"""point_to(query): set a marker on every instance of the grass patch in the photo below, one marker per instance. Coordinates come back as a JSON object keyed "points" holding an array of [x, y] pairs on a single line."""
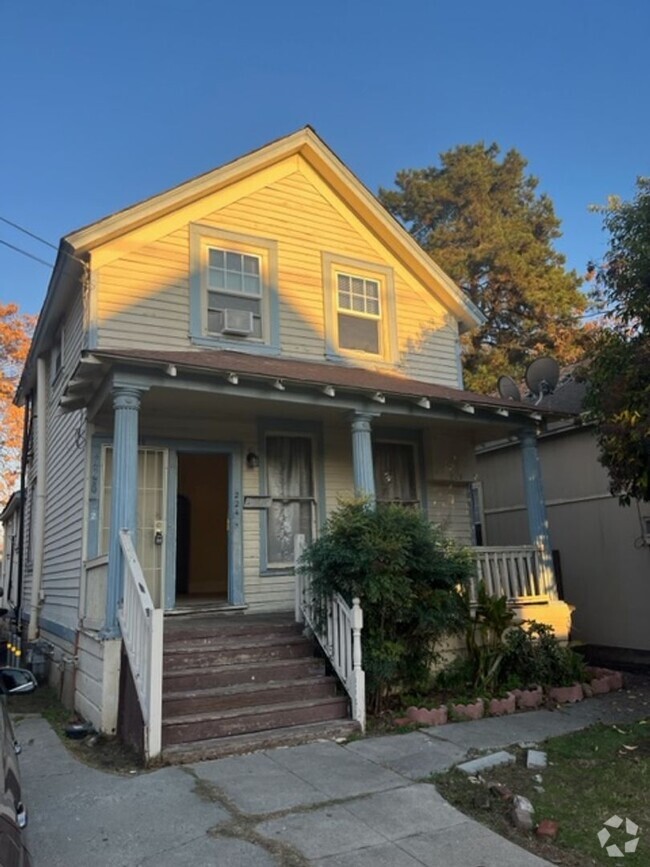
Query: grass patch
{"points": [[592, 775], [99, 751]]}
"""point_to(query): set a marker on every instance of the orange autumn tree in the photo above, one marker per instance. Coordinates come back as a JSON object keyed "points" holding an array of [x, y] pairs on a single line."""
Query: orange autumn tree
{"points": [[15, 337]]}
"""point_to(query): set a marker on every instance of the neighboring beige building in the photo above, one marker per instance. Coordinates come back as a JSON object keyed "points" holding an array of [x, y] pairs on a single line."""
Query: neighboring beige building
{"points": [[603, 548]]}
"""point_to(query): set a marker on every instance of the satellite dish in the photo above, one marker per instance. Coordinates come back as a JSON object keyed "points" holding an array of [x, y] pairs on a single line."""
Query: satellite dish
{"points": [[542, 376], [508, 388]]}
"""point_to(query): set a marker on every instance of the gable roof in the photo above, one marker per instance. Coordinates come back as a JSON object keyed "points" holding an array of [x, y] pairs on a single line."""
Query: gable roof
{"points": [[308, 144]]}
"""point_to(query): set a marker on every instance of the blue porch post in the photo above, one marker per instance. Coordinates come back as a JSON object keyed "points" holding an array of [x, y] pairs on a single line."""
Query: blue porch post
{"points": [[124, 490], [364, 475], [536, 508]]}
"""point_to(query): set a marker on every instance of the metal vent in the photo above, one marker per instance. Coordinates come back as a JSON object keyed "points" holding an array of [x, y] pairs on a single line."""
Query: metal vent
{"points": [[239, 322]]}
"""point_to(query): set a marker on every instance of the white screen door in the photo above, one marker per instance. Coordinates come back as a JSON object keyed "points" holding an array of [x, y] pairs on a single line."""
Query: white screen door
{"points": [[150, 541]]}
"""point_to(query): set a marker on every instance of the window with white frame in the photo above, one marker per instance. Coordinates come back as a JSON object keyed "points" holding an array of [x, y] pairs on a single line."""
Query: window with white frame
{"points": [[395, 473], [359, 313], [234, 293], [359, 305], [290, 484]]}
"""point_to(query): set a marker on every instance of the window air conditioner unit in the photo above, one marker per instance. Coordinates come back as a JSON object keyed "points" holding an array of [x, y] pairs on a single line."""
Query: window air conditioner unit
{"points": [[238, 322]]}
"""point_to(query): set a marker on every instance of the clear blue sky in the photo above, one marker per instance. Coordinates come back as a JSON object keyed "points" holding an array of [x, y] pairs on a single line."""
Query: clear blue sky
{"points": [[106, 103]]}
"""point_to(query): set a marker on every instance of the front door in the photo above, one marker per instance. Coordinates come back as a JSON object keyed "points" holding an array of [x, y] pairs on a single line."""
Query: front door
{"points": [[202, 501]]}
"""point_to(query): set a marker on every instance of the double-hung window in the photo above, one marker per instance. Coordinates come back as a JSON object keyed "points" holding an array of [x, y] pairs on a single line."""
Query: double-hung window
{"points": [[359, 304], [234, 293], [359, 313], [233, 289], [395, 473], [290, 484]]}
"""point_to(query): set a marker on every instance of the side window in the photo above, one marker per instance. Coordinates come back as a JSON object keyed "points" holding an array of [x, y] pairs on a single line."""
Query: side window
{"points": [[290, 484], [57, 355], [359, 304], [476, 512], [395, 474]]}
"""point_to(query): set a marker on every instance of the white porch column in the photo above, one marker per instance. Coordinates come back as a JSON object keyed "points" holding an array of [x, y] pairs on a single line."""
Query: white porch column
{"points": [[536, 509], [124, 494], [364, 475]]}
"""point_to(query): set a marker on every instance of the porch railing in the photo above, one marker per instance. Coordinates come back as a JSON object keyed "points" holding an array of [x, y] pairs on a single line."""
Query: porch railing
{"points": [[515, 572], [142, 631], [338, 633]]}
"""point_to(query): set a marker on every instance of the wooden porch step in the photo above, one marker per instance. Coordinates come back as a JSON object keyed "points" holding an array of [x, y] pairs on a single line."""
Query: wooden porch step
{"points": [[245, 695], [206, 631], [245, 649], [254, 672], [215, 748], [237, 721]]}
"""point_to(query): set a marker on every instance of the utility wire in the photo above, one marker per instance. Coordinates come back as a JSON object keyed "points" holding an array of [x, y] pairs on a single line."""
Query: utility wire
{"points": [[25, 253], [27, 232], [42, 241]]}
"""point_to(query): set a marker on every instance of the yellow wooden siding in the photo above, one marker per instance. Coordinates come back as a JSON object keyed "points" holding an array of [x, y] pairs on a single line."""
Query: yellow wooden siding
{"points": [[143, 297]]}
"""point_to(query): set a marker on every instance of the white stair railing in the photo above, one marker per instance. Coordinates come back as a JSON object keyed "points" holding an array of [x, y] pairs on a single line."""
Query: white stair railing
{"points": [[142, 631], [514, 572], [339, 635]]}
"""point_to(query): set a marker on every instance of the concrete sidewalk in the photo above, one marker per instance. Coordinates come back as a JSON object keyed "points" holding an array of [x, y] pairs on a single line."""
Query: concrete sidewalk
{"points": [[325, 804]]}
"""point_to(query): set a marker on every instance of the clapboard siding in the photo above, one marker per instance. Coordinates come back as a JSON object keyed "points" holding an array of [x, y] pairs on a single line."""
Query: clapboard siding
{"points": [[144, 297], [65, 465]]}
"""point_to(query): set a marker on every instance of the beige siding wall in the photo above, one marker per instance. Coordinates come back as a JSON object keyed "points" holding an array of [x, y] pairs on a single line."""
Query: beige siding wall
{"points": [[64, 506], [143, 297], [604, 569]]}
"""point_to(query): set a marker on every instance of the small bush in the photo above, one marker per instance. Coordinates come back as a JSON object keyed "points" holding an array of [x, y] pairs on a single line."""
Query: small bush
{"points": [[409, 580]]}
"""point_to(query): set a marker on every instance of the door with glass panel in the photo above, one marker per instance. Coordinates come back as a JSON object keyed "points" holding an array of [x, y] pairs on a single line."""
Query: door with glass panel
{"points": [[290, 485], [150, 536]]}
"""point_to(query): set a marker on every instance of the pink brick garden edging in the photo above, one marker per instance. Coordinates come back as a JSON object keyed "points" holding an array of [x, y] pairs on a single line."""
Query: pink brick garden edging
{"points": [[602, 680]]}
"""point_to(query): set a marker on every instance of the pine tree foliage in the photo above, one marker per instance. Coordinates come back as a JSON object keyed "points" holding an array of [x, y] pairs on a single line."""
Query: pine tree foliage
{"points": [[481, 219]]}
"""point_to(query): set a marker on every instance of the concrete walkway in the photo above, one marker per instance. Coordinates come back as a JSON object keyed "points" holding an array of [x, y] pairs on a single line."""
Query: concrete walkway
{"points": [[325, 804]]}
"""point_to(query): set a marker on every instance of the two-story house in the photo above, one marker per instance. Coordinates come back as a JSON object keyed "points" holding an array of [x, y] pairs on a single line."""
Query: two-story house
{"points": [[213, 369]]}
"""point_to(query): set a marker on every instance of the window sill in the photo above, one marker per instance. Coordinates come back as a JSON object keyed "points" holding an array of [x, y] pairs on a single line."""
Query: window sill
{"points": [[235, 345], [375, 360], [281, 570]]}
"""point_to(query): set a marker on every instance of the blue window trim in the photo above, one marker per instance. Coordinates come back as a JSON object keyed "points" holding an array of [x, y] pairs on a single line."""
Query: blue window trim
{"points": [[236, 595], [282, 427], [415, 439], [268, 249]]}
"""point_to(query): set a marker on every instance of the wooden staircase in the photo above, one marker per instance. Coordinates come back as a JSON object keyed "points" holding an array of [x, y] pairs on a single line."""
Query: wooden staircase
{"points": [[234, 683]]}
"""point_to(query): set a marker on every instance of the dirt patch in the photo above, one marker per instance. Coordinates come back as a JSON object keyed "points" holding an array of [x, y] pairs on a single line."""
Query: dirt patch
{"points": [[98, 751]]}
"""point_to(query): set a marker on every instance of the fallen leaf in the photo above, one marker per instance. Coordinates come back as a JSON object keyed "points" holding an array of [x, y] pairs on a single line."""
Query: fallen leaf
{"points": [[627, 747], [620, 731]]}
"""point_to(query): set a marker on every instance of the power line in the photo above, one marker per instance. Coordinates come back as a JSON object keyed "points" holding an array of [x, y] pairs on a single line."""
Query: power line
{"points": [[25, 253], [27, 232]]}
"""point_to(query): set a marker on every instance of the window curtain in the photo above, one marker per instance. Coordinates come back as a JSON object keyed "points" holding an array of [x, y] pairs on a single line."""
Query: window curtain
{"points": [[394, 465], [290, 484]]}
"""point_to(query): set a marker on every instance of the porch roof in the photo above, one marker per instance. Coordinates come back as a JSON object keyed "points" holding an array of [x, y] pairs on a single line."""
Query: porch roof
{"points": [[321, 374]]}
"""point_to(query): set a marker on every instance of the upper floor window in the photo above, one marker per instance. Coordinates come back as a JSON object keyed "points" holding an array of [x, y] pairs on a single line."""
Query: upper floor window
{"points": [[359, 313], [359, 305], [56, 355], [234, 296], [233, 289]]}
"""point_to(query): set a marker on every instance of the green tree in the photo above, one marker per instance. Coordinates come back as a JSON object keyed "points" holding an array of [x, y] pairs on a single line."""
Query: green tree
{"points": [[483, 222], [618, 397]]}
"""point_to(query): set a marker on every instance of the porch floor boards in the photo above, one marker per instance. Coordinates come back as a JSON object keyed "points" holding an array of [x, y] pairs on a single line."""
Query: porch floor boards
{"points": [[237, 682]]}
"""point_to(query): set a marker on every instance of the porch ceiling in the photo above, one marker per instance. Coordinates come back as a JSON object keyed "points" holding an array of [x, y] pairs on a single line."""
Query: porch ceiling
{"points": [[182, 383]]}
